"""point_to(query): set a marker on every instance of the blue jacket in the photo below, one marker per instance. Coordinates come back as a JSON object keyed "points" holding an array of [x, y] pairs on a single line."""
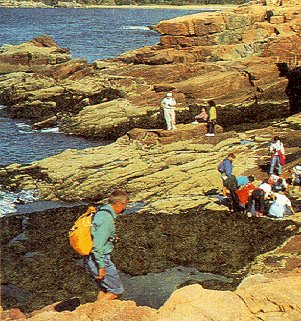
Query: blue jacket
{"points": [[227, 166]]}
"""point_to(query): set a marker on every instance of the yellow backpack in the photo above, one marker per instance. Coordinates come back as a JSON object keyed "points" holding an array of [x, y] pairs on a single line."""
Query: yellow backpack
{"points": [[79, 235]]}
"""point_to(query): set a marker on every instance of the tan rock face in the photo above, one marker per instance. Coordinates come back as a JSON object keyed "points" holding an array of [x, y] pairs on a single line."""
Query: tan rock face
{"points": [[200, 57]]}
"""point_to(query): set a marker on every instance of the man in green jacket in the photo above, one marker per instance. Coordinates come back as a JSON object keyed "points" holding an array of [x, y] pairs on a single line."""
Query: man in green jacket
{"points": [[98, 262]]}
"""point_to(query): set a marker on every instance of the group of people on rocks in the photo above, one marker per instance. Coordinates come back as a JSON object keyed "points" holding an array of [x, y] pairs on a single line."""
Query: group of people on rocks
{"points": [[269, 196], [208, 116]]}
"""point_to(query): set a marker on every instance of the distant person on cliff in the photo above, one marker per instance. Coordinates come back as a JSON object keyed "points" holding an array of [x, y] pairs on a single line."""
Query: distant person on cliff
{"points": [[168, 104], [211, 122], [99, 263], [277, 155]]}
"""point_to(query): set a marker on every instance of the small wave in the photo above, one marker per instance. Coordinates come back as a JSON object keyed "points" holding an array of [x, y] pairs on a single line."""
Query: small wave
{"points": [[9, 200], [135, 28], [2, 107], [50, 130]]}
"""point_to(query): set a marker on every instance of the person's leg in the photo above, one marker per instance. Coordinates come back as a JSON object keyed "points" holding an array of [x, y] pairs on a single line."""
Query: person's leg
{"points": [[173, 119], [278, 165], [111, 282], [272, 165], [167, 118]]}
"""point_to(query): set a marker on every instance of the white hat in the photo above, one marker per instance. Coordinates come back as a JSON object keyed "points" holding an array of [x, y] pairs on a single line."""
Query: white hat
{"points": [[169, 94]]}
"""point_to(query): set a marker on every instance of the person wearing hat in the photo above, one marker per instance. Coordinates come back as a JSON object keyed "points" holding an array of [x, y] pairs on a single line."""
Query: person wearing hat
{"points": [[168, 104]]}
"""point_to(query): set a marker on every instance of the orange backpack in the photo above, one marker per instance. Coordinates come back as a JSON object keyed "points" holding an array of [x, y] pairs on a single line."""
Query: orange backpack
{"points": [[79, 235]]}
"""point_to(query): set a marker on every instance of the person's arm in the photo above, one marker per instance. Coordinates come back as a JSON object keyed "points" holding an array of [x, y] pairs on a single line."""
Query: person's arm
{"points": [[162, 103], [173, 102]]}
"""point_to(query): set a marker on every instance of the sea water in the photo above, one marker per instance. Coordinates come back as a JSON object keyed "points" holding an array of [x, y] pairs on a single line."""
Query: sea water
{"points": [[90, 33]]}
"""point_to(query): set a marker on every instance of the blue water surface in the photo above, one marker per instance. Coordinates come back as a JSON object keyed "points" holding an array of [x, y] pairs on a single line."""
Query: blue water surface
{"points": [[89, 33]]}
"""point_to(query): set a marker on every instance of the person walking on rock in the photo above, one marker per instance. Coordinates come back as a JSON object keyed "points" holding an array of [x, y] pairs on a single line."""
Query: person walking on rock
{"points": [[277, 155], [211, 122], [99, 262], [168, 104]]}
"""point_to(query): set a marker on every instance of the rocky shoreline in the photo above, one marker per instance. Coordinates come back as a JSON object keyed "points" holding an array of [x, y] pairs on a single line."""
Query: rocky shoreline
{"points": [[203, 56]]}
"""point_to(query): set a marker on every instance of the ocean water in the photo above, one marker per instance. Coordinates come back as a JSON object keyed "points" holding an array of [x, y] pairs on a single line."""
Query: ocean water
{"points": [[89, 33]]}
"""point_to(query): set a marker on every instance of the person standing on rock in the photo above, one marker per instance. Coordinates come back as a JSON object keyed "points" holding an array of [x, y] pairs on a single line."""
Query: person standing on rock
{"points": [[211, 122], [277, 155], [168, 104], [99, 263], [225, 168]]}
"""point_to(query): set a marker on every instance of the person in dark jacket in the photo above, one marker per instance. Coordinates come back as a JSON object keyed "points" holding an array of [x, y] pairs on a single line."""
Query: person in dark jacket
{"points": [[99, 262], [226, 168]]}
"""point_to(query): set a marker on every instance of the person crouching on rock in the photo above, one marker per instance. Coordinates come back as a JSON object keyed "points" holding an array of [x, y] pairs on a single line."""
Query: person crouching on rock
{"points": [[202, 117], [168, 104], [98, 263]]}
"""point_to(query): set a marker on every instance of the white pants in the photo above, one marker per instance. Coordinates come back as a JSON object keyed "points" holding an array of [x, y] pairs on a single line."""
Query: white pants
{"points": [[169, 115]]}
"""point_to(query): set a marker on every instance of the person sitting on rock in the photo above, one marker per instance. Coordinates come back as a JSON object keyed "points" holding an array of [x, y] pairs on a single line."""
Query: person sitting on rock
{"points": [[281, 205], [245, 190], [296, 176], [280, 184], [202, 117], [258, 200]]}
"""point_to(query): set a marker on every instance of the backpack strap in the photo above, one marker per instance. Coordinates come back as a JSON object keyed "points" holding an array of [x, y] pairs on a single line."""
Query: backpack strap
{"points": [[101, 210]]}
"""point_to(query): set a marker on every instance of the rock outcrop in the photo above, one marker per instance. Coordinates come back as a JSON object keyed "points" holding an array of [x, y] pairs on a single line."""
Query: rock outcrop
{"points": [[234, 57]]}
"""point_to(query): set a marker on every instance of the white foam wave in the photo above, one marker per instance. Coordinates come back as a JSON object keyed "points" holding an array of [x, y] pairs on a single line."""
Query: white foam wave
{"points": [[50, 130], [2, 107], [9, 200], [135, 28]]}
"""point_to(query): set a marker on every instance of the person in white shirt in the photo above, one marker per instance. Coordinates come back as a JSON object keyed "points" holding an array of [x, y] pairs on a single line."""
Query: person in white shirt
{"points": [[267, 188], [280, 206], [168, 104], [277, 155], [277, 183]]}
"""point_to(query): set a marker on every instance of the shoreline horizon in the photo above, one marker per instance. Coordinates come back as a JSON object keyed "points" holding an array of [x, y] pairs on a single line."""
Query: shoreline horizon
{"points": [[40, 5]]}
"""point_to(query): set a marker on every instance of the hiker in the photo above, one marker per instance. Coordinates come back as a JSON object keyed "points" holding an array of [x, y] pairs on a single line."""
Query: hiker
{"points": [[211, 122], [277, 155], [202, 117], [281, 205], [99, 263], [168, 104], [296, 176], [225, 168]]}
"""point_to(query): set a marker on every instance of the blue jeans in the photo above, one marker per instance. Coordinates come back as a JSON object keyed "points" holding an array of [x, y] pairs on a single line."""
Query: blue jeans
{"points": [[111, 282], [275, 162]]}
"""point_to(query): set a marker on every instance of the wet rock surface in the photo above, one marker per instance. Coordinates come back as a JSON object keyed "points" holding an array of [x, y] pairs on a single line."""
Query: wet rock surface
{"points": [[210, 241]]}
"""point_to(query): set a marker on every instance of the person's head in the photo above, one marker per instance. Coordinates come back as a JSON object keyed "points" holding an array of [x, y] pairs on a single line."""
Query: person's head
{"points": [[211, 103], [203, 109], [279, 181], [251, 178], [118, 199], [231, 156], [275, 138], [169, 95]]}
